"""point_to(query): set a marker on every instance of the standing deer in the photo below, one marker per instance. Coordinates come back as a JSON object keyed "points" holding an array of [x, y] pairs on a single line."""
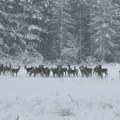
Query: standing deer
{"points": [[15, 71], [85, 71], [72, 71], [28, 70], [6, 69], [99, 71]]}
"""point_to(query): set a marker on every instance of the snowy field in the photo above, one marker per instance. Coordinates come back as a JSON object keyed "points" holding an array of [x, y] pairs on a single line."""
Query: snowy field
{"points": [[68, 98]]}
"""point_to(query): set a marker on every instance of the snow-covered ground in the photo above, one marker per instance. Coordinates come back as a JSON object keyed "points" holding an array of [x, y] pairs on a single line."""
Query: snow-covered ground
{"points": [[68, 98]]}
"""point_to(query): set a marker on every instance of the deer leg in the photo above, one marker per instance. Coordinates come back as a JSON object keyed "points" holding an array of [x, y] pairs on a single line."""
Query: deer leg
{"points": [[106, 74], [34, 74], [69, 74]]}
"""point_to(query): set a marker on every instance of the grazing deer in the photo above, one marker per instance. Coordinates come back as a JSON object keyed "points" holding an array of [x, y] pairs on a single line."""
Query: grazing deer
{"points": [[15, 71]]}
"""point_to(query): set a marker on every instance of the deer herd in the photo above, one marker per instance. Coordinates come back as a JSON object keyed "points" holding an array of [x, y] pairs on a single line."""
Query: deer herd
{"points": [[58, 71]]}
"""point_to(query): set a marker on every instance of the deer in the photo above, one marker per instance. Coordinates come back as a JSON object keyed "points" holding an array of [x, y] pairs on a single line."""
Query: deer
{"points": [[72, 71], [46, 71], [105, 71], [99, 71], [28, 70], [7, 69], [55, 71], [64, 70], [85, 71], [35, 71], [15, 71], [76, 71]]}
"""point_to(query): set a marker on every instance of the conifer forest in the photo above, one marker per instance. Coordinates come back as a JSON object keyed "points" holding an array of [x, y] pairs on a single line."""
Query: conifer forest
{"points": [[71, 31]]}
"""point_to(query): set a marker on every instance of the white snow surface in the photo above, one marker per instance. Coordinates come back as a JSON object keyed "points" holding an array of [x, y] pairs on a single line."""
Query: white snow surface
{"points": [[67, 98]]}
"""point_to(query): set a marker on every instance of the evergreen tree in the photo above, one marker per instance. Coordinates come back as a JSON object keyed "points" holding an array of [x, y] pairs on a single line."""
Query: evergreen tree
{"points": [[102, 22], [81, 15], [68, 30]]}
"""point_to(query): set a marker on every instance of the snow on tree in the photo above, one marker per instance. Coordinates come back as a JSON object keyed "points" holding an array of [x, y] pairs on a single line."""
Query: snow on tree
{"points": [[64, 25], [103, 23], [81, 14], [59, 29], [16, 30]]}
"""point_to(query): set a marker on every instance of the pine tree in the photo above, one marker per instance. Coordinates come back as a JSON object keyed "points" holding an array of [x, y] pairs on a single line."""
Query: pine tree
{"points": [[81, 14], [67, 40], [22, 32], [49, 47], [103, 22]]}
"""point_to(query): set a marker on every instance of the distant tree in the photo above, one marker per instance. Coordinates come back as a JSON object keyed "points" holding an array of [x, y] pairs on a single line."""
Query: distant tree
{"points": [[103, 23], [80, 12]]}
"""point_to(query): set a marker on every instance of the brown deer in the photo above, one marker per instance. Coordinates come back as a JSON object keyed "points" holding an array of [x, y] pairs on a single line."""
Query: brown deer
{"points": [[55, 71], [28, 70], [85, 71], [99, 71], [71, 71], [15, 71], [6, 69], [76, 71], [35, 71]]}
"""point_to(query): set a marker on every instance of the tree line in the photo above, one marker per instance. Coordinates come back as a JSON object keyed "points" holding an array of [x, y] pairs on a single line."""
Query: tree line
{"points": [[67, 30]]}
